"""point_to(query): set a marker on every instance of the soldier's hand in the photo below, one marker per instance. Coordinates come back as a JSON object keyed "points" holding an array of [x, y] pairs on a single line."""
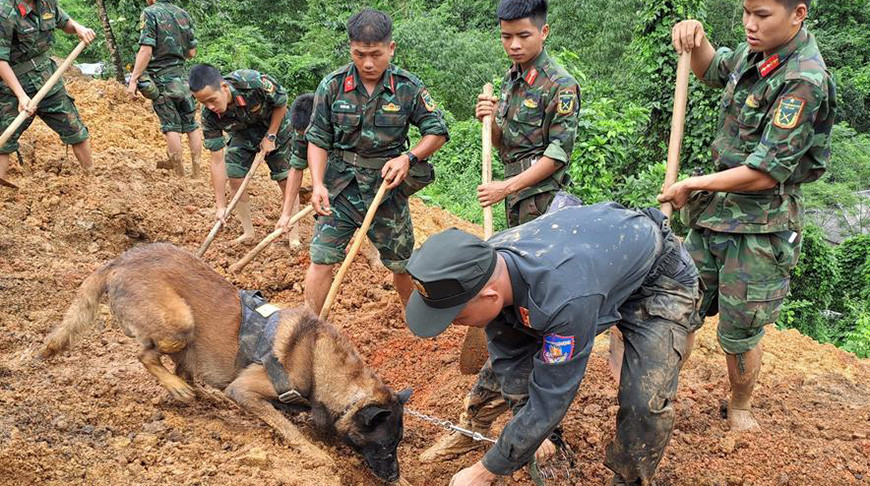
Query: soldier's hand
{"points": [[267, 145], [677, 194], [492, 193], [485, 106], [395, 171], [320, 200], [687, 35], [476, 475], [284, 222], [25, 105], [85, 34], [220, 214], [545, 452], [131, 91]]}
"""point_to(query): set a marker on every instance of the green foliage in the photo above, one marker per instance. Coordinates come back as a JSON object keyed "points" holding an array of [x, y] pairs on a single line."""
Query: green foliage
{"points": [[852, 258], [816, 274]]}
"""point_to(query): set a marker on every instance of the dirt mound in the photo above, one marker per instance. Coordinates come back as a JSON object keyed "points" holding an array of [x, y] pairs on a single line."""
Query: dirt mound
{"points": [[95, 416]]}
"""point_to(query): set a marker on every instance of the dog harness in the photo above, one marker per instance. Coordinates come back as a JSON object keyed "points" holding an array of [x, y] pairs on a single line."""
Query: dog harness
{"points": [[260, 321]]}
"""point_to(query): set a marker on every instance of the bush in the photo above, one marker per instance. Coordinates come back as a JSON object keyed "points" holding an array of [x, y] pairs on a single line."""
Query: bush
{"points": [[852, 261]]}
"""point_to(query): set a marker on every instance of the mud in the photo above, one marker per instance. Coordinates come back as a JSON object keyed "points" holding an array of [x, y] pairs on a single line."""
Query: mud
{"points": [[95, 416]]}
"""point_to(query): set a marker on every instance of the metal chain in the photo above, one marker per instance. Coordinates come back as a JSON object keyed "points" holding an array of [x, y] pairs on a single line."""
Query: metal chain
{"points": [[448, 425]]}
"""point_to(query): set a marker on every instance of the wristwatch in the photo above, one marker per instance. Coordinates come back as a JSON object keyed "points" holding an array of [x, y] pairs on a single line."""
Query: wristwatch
{"points": [[271, 137], [412, 158]]}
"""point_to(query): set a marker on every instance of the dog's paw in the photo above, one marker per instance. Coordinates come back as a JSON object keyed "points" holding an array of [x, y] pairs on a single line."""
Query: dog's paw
{"points": [[182, 392]]}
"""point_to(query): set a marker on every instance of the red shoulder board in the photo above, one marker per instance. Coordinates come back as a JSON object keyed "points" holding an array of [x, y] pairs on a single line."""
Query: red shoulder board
{"points": [[532, 76], [240, 101], [22, 9], [769, 65], [392, 83], [524, 316], [349, 83]]}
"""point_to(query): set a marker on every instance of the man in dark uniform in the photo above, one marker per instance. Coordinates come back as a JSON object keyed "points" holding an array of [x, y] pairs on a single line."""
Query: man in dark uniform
{"points": [[166, 40], [536, 123], [252, 108], [362, 113], [26, 37], [542, 291]]}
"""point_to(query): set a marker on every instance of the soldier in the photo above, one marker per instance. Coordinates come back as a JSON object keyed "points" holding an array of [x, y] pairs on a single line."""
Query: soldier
{"points": [[26, 37], [362, 113], [542, 291], [252, 108], [300, 118], [165, 42], [746, 219], [536, 123]]}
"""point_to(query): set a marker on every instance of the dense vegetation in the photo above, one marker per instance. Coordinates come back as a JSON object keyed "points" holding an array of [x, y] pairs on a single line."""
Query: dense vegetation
{"points": [[620, 52]]}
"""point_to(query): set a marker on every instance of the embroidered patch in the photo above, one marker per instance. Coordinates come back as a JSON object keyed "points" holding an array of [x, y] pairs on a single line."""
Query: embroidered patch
{"points": [[240, 101], [391, 107], [752, 102], [427, 100], [769, 65], [268, 86], [530, 103], [524, 316], [557, 349], [788, 113], [420, 288], [267, 310], [349, 83], [567, 100], [531, 76], [47, 16]]}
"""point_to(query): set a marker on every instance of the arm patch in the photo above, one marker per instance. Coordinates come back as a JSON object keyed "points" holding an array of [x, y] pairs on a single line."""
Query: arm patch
{"points": [[788, 113]]}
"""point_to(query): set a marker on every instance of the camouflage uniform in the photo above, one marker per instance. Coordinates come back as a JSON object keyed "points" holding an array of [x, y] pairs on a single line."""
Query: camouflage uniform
{"points": [[777, 115], [299, 151], [537, 114], [169, 31], [362, 133], [247, 120], [26, 37]]}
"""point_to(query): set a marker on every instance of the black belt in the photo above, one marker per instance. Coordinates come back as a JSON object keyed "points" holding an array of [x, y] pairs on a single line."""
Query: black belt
{"points": [[670, 259], [357, 160]]}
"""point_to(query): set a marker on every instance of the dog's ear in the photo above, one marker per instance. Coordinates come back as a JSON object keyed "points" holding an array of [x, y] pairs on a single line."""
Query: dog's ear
{"points": [[404, 395], [373, 415]]}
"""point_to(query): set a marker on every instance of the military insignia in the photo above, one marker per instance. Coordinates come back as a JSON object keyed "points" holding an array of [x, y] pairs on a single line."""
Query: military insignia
{"points": [[391, 107], [557, 349], [769, 65], [256, 108], [427, 100], [752, 102], [530, 103], [788, 113], [567, 101], [420, 288], [349, 83], [22, 9], [531, 76], [268, 86], [241, 101], [47, 16], [524, 316]]}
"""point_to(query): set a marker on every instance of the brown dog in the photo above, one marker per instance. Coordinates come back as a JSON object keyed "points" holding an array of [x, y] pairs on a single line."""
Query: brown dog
{"points": [[174, 304]]}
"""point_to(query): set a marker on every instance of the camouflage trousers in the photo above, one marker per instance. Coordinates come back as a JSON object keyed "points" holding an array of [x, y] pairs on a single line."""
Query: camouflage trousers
{"points": [[656, 321], [746, 276], [243, 147], [525, 210], [57, 110], [175, 107], [392, 231]]}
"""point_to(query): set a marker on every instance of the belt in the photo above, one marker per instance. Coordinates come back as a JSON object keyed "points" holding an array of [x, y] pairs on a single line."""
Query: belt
{"points": [[30, 65], [167, 70], [517, 166], [669, 253], [356, 160]]}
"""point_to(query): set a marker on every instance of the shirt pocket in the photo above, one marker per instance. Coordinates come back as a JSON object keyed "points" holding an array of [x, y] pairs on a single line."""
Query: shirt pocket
{"points": [[528, 122], [391, 119], [345, 116]]}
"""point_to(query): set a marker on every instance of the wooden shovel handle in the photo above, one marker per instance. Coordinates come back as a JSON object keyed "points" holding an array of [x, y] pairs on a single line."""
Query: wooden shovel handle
{"points": [[678, 122], [268, 240]]}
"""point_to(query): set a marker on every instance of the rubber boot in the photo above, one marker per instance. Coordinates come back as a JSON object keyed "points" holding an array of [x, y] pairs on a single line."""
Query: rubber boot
{"points": [[455, 444]]}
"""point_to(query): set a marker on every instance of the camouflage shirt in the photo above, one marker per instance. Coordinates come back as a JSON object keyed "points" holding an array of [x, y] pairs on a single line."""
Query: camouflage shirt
{"points": [[777, 116], [346, 118], [254, 95], [169, 30], [537, 114], [26, 33]]}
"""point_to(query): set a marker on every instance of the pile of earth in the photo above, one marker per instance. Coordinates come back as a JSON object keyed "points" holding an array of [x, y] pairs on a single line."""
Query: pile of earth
{"points": [[95, 416]]}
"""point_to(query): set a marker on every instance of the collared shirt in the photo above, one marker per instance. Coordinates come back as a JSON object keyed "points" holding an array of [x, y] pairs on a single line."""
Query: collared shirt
{"points": [[255, 96], [777, 116], [169, 30], [543, 341], [27, 32]]}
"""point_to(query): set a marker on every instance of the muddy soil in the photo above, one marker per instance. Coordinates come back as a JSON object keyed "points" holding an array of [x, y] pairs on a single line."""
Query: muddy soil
{"points": [[95, 416]]}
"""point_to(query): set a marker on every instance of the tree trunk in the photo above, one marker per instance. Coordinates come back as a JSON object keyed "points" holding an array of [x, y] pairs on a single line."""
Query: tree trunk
{"points": [[110, 41]]}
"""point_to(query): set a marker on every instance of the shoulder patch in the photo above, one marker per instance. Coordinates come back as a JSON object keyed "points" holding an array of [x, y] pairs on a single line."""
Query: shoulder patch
{"points": [[557, 349], [789, 111], [567, 101], [427, 100], [268, 86]]}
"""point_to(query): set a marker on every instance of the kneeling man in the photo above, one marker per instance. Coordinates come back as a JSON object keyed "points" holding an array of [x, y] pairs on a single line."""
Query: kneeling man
{"points": [[543, 291]]}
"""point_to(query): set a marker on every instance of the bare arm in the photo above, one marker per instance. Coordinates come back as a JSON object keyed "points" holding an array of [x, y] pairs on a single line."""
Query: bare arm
{"points": [[738, 179], [143, 57], [317, 158], [85, 34], [219, 178]]}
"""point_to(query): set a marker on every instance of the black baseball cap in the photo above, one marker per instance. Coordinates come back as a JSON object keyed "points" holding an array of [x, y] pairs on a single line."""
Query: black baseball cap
{"points": [[448, 271]]}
